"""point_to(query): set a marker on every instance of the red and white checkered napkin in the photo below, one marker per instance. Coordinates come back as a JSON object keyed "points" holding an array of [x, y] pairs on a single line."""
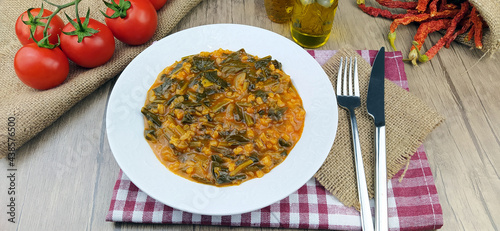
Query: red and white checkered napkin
{"points": [[413, 203]]}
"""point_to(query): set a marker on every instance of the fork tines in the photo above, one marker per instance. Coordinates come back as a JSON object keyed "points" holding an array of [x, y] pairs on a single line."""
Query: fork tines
{"points": [[342, 87]]}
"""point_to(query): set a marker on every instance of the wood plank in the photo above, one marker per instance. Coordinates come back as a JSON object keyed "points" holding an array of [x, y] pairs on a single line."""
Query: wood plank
{"points": [[58, 169]]}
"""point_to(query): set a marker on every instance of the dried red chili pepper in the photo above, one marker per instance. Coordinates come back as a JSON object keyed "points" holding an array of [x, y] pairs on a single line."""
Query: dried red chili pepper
{"points": [[398, 4], [433, 7], [428, 27], [449, 32], [449, 6], [422, 32], [464, 9], [433, 15], [412, 11], [422, 5], [470, 35], [375, 12], [408, 18], [465, 27], [432, 52], [404, 21], [478, 28], [478, 36], [442, 5]]}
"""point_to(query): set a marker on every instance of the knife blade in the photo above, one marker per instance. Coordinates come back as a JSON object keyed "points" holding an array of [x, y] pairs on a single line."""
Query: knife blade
{"points": [[375, 107]]}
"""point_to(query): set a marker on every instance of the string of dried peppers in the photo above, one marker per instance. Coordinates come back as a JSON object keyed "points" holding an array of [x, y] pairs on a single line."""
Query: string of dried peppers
{"points": [[456, 17]]}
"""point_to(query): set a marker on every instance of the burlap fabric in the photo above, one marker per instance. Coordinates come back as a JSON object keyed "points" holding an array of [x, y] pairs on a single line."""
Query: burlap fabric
{"points": [[34, 110], [408, 122], [490, 11]]}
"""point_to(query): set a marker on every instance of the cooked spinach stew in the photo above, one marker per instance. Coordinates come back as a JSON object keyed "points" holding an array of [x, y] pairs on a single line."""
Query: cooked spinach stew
{"points": [[223, 117]]}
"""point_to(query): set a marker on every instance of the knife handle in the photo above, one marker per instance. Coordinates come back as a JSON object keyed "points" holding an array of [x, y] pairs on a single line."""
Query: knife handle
{"points": [[381, 215]]}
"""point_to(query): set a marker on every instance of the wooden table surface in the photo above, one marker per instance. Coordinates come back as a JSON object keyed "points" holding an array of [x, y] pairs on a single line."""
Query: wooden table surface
{"points": [[66, 174]]}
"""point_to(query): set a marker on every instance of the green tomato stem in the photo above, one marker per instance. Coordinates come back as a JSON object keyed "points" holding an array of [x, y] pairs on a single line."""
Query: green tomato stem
{"points": [[120, 9], [81, 29], [77, 16], [44, 42], [423, 58]]}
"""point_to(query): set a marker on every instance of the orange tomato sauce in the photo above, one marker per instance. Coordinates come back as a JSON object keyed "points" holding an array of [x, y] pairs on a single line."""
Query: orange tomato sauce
{"points": [[223, 117]]}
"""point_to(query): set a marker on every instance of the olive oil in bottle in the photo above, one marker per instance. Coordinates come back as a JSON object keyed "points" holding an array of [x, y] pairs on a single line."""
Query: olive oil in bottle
{"points": [[279, 11], [311, 21]]}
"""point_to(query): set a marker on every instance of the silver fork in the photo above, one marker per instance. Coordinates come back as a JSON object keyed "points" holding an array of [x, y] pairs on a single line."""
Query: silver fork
{"points": [[349, 99]]}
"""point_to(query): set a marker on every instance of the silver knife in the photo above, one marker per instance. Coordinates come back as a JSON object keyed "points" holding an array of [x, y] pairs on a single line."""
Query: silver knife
{"points": [[375, 107]]}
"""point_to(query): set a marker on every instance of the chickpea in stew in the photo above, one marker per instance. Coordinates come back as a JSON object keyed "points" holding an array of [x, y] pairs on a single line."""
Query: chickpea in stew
{"points": [[223, 117]]}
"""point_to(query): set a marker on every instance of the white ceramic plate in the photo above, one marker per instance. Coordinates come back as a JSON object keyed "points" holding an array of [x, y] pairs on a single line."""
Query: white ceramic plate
{"points": [[125, 126]]}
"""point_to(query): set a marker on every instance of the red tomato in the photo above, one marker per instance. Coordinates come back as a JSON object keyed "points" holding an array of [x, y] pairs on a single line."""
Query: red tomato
{"points": [[41, 68], [158, 4], [92, 51], [23, 30], [138, 26]]}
